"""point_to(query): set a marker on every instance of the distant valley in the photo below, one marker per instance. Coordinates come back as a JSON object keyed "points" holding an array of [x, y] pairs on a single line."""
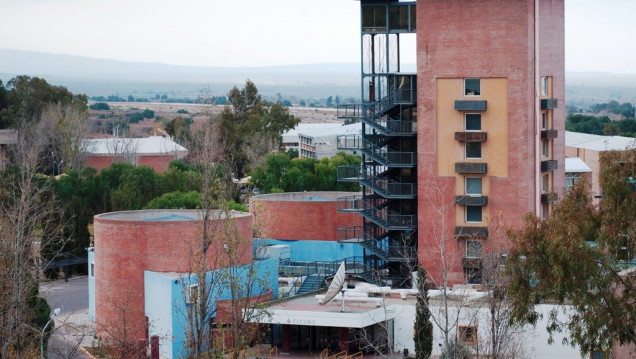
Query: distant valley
{"points": [[100, 77]]}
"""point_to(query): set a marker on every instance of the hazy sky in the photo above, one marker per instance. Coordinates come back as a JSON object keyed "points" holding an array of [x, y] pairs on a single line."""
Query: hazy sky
{"points": [[599, 34]]}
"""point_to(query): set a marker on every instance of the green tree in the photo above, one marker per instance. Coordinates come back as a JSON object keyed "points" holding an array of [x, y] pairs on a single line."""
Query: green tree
{"points": [[28, 96], [579, 256], [179, 129], [148, 113], [100, 106], [176, 200], [251, 127], [139, 185], [423, 337]]}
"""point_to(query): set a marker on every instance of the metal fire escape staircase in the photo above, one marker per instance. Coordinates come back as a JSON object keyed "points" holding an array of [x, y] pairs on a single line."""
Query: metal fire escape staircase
{"points": [[387, 145]]}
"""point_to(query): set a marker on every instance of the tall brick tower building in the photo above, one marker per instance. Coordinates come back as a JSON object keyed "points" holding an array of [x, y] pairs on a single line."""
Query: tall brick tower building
{"points": [[484, 117]]}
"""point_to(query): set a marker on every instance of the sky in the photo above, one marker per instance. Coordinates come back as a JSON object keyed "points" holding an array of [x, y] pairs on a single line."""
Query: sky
{"points": [[598, 33]]}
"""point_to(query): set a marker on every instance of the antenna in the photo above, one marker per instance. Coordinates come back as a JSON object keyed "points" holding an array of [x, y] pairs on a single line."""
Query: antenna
{"points": [[336, 285]]}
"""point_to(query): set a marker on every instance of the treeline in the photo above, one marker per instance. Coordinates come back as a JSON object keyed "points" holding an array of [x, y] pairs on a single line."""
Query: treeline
{"points": [[210, 100], [281, 173], [601, 125]]}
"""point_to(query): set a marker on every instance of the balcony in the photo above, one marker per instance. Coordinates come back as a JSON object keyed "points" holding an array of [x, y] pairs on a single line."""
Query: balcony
{"points": [[471, 232], [378, 248], [549, 134], [471, 136], [388, 157], [468, 262], [387, 188], [391, 127], [348, 111], [471, 167], [549, 197], [379, 216], [549, 104], [549, 165], [471, 200], [349, 142], [348, 173], [470, 105]]}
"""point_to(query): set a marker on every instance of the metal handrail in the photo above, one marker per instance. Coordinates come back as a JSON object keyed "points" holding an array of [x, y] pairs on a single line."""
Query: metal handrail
{"points": [[275, 349]]}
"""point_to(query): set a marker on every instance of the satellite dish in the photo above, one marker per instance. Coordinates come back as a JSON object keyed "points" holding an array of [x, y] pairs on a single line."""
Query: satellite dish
{"points": [[336, 284]]}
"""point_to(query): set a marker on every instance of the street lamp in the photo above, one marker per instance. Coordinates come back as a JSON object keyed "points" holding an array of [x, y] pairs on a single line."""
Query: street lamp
{"points": [[55, 312]]}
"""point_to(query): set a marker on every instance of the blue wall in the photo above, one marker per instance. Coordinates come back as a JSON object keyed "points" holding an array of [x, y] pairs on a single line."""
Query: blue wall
{"points": [[310, 251], [166, 307]]}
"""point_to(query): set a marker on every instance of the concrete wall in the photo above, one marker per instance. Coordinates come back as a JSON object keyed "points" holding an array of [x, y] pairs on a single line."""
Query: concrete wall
{"points": [[533, 340], [301, 215]]}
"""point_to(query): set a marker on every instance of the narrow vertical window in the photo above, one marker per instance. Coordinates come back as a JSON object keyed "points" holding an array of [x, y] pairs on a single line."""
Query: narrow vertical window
{"points": [[544, 120], [544, 148], [544, 85]]}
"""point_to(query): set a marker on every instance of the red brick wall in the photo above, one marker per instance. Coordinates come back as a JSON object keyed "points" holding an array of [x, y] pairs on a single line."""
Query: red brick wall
{"points": [[99, 162], [159, 163], [291, 216], [485, 39], [125, 246]]}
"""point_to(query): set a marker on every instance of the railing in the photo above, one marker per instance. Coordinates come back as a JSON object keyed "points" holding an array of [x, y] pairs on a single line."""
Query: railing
{"points": [[387, 157], [358, 355], [349, 204], [348, 173], [349, 111], [396, 97], [386, 188], [342, 354], [275, 350], [349, 142], [380, 248]]}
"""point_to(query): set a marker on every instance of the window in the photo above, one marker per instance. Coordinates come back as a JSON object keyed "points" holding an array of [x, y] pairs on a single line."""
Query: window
{"points": [[473, 249], [192, 294], [467, 334], [473, 275], [473, 186], [545, 210], [473, 213], [473, 149], [544, 120], [544, 183], [92, 270], [572, 177], [544, 148], [599, 354], [472, 87], [544, 85], [472, 122]]}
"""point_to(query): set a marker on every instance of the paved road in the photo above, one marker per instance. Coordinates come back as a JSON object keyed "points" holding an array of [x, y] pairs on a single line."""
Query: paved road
{"points": [[72, 326]]}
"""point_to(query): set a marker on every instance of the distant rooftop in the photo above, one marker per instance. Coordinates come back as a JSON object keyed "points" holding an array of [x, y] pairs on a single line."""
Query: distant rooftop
{"points": [[597, 142], [153, 145]]}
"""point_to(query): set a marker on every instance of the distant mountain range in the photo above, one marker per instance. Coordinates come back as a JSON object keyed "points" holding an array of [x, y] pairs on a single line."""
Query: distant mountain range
{"points": [[105, 77]]}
